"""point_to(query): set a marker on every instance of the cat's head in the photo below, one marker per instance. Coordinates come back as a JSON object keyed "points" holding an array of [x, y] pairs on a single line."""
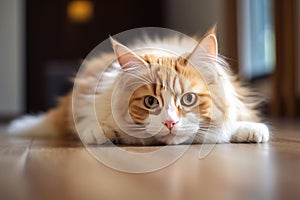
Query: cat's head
{"points": [[169, 95]]}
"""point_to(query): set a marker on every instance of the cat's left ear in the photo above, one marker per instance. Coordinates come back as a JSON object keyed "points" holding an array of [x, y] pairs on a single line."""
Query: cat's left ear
{"points": [[126, 57], [206, 51], [208, 44]]}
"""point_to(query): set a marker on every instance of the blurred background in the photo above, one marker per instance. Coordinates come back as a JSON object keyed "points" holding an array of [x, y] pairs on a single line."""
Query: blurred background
{"points": [[43, 42]]}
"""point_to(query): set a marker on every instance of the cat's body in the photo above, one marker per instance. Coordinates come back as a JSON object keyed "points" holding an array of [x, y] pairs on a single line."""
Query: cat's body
{"points": [[151, 96]]}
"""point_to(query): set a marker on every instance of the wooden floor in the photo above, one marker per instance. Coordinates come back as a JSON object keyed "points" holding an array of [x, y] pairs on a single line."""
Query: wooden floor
{"points": [[51, 169]]}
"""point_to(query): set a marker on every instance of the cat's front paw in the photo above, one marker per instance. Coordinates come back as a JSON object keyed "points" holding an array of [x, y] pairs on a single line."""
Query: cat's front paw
{"points": [[250, 132], [91, 134]]}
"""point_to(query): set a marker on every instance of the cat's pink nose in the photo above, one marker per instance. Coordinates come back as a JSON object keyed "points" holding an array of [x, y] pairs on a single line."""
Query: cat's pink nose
{"points": [[170, 124]]}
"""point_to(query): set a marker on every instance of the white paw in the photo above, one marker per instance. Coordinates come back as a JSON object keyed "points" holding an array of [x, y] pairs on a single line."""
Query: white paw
{"points": [[24, 124], [91, 133], [250, 132]]}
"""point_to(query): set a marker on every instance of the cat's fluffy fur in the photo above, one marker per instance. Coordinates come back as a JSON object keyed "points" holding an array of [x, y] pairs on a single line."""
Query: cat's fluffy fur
{"points": [[111, 103]]}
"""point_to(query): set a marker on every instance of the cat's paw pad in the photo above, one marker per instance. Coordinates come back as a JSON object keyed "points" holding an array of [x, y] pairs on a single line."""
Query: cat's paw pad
{"points": [[251, 132]]}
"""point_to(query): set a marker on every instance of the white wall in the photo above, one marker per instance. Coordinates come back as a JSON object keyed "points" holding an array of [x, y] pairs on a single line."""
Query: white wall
{"points": [[11, 57]]}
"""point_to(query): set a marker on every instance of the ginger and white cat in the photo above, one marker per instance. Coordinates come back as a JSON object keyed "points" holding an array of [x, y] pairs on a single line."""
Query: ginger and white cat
{"points": [[149, 97]]}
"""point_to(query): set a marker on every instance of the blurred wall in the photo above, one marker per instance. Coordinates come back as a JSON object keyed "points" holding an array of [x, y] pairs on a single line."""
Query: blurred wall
{"points": [[298, 47], [197, 17], [190, 16], [55, 41], [11, 57]]}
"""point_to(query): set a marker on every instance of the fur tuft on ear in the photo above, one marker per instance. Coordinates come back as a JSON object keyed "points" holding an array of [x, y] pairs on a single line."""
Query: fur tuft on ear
{"points": [[126, 57], [212, 30]]}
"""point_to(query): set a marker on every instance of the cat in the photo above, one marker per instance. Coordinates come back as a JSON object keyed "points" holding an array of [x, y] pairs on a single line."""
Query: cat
{"points": [[150, 97]]}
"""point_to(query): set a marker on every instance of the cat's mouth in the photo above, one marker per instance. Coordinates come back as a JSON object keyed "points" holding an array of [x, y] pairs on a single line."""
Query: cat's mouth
{"points": [[168, 137]]}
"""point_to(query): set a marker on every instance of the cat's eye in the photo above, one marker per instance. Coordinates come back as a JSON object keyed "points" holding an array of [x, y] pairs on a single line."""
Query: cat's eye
{"points": [[150, 102], [189, 99]]}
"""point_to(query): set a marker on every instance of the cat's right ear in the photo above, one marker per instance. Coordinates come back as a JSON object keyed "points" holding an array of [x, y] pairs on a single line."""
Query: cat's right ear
{"points": [[126, 57]]}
